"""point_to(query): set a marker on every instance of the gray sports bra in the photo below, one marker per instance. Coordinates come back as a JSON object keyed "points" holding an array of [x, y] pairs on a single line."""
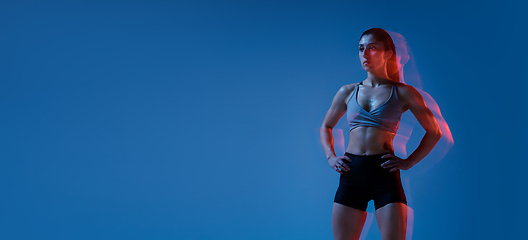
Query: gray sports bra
{"points": [[387, 116]]}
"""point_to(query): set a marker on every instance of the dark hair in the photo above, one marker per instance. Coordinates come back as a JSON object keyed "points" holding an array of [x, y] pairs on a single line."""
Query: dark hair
{"points": [[382, 36]]}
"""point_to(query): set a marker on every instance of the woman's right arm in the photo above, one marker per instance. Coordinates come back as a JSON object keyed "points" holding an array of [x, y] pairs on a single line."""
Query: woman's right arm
{"points": [[336, 111]]}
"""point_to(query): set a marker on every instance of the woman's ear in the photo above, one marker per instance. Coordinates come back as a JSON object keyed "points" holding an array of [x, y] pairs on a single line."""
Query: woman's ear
{"points": [[388, 54]]}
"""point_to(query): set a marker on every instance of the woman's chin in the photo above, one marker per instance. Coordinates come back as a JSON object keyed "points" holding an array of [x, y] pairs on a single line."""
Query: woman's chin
{"points": [[368, 68]]}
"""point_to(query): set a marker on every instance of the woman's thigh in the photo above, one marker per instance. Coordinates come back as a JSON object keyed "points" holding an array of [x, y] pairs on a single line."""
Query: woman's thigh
{"points": [[347, 222], [392, 221]]}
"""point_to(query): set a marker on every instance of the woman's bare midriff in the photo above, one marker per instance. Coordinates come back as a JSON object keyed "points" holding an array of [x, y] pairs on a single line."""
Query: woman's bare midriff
{"points": [[369, 141]]}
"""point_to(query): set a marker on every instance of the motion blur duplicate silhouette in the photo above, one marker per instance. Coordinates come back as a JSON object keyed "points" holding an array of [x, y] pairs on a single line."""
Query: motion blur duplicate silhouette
{"points": [[407, 72]]}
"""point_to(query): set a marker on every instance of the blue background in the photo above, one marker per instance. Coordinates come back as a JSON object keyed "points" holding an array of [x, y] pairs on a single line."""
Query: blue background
{"points": [[180, 120]]}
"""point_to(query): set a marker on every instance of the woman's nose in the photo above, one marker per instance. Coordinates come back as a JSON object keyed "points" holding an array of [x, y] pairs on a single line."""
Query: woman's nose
{"points": [[366, 52]]}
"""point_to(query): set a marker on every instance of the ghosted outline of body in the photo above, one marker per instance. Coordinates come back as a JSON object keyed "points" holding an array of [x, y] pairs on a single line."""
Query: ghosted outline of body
{"points": [[376, 51]]}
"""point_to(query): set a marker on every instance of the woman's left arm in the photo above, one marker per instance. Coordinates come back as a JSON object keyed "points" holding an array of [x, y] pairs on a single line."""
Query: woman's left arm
{"points": [[415, 102]]}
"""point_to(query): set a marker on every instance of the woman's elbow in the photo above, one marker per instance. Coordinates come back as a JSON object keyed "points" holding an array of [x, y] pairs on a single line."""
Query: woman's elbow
{"points": [[325, 130], [434, 133], [327, 125], [437, 133]]}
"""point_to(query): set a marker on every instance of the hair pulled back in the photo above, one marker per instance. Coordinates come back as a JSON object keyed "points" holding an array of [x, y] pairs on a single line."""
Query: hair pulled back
{"points": [[382, 36]]}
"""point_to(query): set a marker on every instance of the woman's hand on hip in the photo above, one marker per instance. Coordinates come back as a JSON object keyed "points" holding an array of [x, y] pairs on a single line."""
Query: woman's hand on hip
{"points": [[394, 163], [338, 163]]}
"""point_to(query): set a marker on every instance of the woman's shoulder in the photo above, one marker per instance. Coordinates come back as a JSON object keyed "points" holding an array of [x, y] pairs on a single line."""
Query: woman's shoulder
{"points": [[406, 92], [346, 91], [348, 87], [404, 89]]}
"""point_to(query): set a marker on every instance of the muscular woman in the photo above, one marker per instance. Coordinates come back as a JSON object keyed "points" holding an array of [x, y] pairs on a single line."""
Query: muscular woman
{"points": [[369, 170]]}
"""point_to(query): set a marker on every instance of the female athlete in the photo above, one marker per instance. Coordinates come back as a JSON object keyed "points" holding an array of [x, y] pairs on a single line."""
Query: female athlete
{"points": [[369, 169]]}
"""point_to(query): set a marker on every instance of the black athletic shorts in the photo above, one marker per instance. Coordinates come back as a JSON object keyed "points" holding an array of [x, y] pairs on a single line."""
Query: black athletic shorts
{"points": [[367, 180]]}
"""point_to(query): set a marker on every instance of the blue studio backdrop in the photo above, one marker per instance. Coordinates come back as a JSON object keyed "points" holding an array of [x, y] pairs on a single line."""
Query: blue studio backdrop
{"points": [[200, 119]]}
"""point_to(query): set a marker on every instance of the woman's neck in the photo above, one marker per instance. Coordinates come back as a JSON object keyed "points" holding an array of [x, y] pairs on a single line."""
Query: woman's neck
{"points": [[374, 80]]}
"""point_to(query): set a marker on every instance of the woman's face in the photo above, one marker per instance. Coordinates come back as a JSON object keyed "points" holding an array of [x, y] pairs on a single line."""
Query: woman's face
{"points": [[372, 53]]}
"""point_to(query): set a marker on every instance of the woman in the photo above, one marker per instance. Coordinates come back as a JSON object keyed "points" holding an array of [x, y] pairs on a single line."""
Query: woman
{"points": [[369, 169]]}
